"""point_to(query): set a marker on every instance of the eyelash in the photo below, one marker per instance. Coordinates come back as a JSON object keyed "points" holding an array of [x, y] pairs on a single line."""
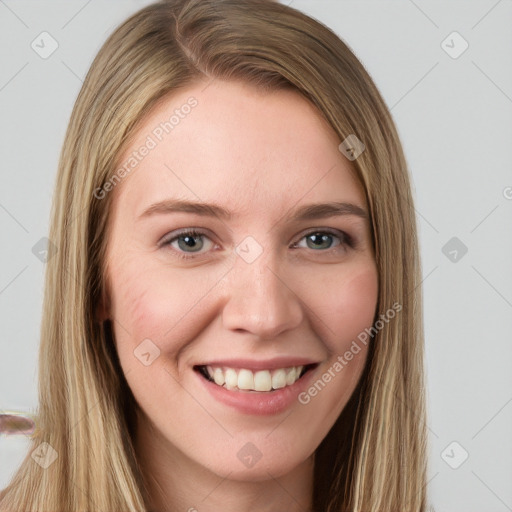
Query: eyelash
{"points": [[345, 240]]}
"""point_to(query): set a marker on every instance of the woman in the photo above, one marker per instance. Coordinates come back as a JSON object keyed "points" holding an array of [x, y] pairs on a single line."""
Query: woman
{"points": [[222, 158]]}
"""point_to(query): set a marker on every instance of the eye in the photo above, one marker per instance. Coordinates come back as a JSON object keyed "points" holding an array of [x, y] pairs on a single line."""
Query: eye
{"points": [[189, 241], [323, 239]]}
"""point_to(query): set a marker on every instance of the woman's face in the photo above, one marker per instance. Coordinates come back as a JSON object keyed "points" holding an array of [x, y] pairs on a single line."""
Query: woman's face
{"points": [[279, 278]]}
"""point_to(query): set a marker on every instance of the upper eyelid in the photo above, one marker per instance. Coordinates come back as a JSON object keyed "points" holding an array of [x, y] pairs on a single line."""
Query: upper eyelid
{"points": [[342, 235], [169, 237]]}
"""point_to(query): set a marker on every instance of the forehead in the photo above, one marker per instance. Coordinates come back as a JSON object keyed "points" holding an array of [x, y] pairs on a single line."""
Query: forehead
{"points": [[230, 142]]}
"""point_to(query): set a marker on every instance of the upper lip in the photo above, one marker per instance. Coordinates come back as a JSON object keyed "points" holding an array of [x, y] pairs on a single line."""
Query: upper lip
{"points": [[267, 364]]}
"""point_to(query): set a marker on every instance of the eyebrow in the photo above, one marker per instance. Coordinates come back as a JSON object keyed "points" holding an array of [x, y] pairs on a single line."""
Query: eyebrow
{"points": [[307, 212]]}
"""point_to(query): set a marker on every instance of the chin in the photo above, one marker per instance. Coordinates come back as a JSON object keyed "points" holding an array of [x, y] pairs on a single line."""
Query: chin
{"points": [[251, 464]]}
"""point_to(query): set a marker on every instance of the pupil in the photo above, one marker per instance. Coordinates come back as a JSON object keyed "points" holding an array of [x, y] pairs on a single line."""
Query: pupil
{"points": [[189, 241], [319, 239]]}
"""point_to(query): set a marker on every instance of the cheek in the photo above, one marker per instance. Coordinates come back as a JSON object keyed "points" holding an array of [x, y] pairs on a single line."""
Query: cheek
{"points": [[350, 305], [157, 303]]}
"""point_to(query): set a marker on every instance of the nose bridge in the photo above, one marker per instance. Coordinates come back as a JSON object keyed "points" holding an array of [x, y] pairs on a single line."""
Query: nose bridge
{"points": [[260, 300]]}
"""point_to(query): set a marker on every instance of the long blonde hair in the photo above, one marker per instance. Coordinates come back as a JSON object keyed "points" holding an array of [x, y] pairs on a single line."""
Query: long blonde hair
{"points": [[375, 456]]}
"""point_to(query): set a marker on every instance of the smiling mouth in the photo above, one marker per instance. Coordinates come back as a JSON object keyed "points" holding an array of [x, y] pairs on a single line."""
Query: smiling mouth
{"points": [[242, 379]]}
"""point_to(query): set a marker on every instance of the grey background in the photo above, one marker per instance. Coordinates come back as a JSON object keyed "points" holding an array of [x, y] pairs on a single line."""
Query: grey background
{"points": [[453, 116]]}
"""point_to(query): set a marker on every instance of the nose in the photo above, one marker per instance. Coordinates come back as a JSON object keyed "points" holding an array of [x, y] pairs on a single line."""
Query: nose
{"points": [[261, 300]]}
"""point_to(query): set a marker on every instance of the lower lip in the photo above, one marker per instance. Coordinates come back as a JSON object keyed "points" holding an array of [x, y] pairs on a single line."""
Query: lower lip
{"points": [[259, 403]]}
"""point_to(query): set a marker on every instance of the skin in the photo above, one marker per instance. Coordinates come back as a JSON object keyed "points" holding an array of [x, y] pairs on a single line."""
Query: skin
{"points": [[260, 155]]}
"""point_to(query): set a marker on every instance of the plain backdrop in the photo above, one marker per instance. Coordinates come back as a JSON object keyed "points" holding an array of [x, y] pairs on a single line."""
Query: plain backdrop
{"points": [[452, 106]]}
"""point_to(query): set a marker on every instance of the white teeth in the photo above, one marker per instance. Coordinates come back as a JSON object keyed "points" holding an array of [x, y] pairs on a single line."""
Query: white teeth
{"points": [[231, 378], [290, 376], [245, 379], [218, 377], [262, 380], [279, 379]]}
